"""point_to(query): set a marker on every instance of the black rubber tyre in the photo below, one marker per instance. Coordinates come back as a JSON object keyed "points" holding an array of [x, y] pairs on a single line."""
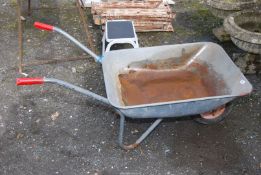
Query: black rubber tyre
{"points": [[199, 119]]}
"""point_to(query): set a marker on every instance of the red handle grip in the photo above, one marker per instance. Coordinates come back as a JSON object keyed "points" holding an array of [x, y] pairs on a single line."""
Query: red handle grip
{"points": [[43, 26], [29, 81]]}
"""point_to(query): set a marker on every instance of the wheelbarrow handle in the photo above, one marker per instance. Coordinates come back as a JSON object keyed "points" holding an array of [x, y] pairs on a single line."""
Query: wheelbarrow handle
{"points": [[43, 26], [29, 81], [48, 27], [41, 80]]}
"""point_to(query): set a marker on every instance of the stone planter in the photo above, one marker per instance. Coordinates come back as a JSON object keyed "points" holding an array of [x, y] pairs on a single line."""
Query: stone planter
{"points": [[231, 4], [223, 8], [244, 28], [248, 63]]}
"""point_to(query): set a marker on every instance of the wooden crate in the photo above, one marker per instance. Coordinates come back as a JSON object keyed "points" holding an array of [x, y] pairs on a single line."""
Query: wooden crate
{"points": [[148, 15]]}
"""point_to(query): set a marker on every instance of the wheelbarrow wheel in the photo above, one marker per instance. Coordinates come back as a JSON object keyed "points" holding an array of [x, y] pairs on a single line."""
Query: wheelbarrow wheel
{"points": [[214, 116]]}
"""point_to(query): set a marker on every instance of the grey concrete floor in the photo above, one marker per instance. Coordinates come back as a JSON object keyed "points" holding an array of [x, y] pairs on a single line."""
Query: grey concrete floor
{"points": [[82, 137]]}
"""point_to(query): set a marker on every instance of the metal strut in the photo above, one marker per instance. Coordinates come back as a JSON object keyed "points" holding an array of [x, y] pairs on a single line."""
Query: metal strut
{"points": [[140, 139]]}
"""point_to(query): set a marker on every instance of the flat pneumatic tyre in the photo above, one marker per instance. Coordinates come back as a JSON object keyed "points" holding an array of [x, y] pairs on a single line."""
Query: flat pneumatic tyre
{"points": [[214, 116], [245, 30]]}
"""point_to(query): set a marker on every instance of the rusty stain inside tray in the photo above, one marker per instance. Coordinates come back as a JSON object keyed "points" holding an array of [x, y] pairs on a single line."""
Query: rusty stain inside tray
{"points": [[166, 80]]}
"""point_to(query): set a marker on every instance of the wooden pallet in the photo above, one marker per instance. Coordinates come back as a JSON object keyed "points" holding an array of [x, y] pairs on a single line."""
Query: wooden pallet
{"points": [[148, 15]]}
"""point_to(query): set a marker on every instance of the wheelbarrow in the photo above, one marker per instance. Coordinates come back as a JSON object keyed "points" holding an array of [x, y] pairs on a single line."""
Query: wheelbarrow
{"points": [[114, 62]]}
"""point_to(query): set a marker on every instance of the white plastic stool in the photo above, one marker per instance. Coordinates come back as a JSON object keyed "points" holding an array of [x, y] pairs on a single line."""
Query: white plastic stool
{"points": [[119, 32]]}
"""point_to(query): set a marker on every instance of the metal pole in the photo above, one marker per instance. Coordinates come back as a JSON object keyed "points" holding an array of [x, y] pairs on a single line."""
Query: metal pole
{"points": [[20, 37], [89, 37], [53, 61], [29, 8]]}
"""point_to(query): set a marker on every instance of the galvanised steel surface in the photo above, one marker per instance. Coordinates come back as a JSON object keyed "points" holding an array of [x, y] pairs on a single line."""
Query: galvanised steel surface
{"points": [[211, 54]]}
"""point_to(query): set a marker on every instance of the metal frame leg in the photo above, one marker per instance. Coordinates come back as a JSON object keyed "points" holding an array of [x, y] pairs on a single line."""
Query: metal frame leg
{"points": [[140, 139], [21, 63], [108, 47]]}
